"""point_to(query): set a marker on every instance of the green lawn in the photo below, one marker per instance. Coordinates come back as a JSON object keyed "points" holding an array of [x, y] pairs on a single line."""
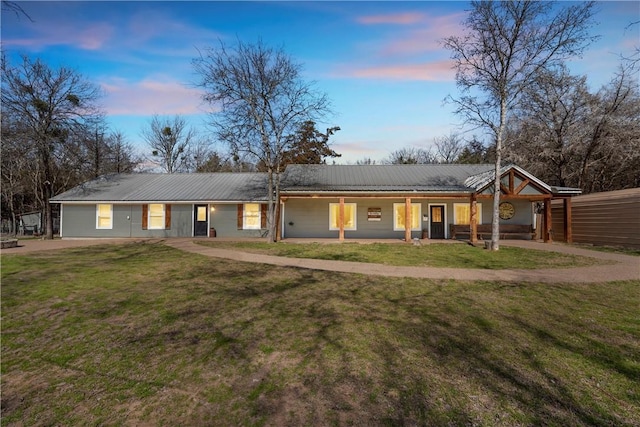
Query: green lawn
{"points": [[455, 255], [142, 334]]}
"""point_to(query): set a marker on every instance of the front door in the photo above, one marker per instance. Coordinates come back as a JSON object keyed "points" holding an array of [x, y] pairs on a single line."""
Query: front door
{"points": [[200, 220], [437, 221]]}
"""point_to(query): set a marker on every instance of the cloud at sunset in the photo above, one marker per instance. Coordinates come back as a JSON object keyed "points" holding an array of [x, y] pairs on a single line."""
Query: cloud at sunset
{"points": [[426, 38], [396, 18], [150, 97], [436, 71], [87, 37]]}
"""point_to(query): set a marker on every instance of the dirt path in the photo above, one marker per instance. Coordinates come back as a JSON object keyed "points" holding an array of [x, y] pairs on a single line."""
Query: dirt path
{"points": [[623, 267]]}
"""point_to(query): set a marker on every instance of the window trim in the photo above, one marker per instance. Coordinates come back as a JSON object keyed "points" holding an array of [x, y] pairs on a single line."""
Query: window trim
{"points": [[164, 217], [110, 226], [419, 216], [355, 217], [478, 213], [245, 226]]}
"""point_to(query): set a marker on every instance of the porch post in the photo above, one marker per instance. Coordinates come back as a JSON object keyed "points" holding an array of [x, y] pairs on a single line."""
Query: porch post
{"points": [[341, 219], [407, 219], [568, 228], [546, 230], [473, 220]]}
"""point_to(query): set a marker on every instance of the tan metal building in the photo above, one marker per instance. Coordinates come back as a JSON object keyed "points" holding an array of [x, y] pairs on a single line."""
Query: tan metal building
{"points": [[610, 218]]}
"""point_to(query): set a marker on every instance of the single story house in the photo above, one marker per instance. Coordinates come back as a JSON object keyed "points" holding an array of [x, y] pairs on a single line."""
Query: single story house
{"points": [[316, 201]]}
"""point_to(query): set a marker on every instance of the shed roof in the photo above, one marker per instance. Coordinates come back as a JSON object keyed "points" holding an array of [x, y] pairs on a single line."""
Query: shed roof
{"points": [[189, 187], [381, 178]]}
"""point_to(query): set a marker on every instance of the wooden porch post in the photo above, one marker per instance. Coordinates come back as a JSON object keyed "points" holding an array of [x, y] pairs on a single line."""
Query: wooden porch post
{"points": [[568, 229], [341, 219], [546, 230], [473, 220], [407, 219]]}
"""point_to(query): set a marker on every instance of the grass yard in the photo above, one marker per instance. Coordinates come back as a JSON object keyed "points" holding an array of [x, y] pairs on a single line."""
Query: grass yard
{"points": [[142, 334], [455, 255]]}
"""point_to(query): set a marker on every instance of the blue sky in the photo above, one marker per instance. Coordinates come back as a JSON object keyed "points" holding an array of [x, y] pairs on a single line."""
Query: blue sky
{"points": [[380, 63]]}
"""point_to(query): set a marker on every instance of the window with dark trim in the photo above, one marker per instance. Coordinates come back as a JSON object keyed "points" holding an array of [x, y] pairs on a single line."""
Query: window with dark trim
{"points": [[252, 216], [156, 216]]}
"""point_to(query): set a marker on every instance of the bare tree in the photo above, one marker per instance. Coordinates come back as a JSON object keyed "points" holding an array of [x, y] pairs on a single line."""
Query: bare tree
{"points": [[12, 6], [14, 184], [53, 107], [569, 136], [448, 148], [201, 156], [410, 156], [366, 161], [122, 158], [549, 126], [506, 45], [171, 141], [259, 98]]}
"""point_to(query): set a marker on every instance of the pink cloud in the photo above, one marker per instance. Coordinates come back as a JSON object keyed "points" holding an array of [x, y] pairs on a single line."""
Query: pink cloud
{"points": [[428, 37], [90, 37], [429, 71], [398, 19], [150, 97]]}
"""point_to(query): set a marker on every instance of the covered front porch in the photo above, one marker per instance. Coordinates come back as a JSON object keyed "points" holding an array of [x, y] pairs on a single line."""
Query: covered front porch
{"points": [[437, 215]]}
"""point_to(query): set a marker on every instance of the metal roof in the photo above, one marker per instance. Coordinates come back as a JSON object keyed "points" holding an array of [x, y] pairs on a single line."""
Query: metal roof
{"points": [[480, 181], [190, 187], [380, 178], [297, 179]]}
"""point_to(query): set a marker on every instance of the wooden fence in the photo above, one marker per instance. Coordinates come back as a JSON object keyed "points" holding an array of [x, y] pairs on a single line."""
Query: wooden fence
{"points": [[611, 218]]}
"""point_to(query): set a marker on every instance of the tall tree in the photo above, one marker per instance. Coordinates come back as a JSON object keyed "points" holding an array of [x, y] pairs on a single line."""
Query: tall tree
{"points": [[507, 43], [52, 106], [15, 186], [259, 99], [170, 140], [569, 136], [308, 146]]}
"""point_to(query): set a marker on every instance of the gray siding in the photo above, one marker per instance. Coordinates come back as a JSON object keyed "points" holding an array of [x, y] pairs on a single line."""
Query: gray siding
{"points": [[225, 220], [309, 218], [80, 221]]}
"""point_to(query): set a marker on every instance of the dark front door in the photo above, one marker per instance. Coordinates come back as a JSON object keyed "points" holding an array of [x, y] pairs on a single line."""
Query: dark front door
{"points": [[437, 221], [200, 220]]}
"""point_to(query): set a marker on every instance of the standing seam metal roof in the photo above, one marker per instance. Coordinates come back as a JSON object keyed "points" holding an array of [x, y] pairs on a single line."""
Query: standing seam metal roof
{"points": [[170, 187], [220, 187], [371, 178]]}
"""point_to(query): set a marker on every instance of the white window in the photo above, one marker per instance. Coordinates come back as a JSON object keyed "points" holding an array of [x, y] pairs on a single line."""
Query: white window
{"points": [[399, 216], [156, 216], [462, 213], [251, 217], [104, 216], [349, 216]]}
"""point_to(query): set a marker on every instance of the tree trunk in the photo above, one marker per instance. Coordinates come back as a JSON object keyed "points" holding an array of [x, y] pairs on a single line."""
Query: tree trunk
{"points": [[495, 222], [48, 217], [272, 210]]}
